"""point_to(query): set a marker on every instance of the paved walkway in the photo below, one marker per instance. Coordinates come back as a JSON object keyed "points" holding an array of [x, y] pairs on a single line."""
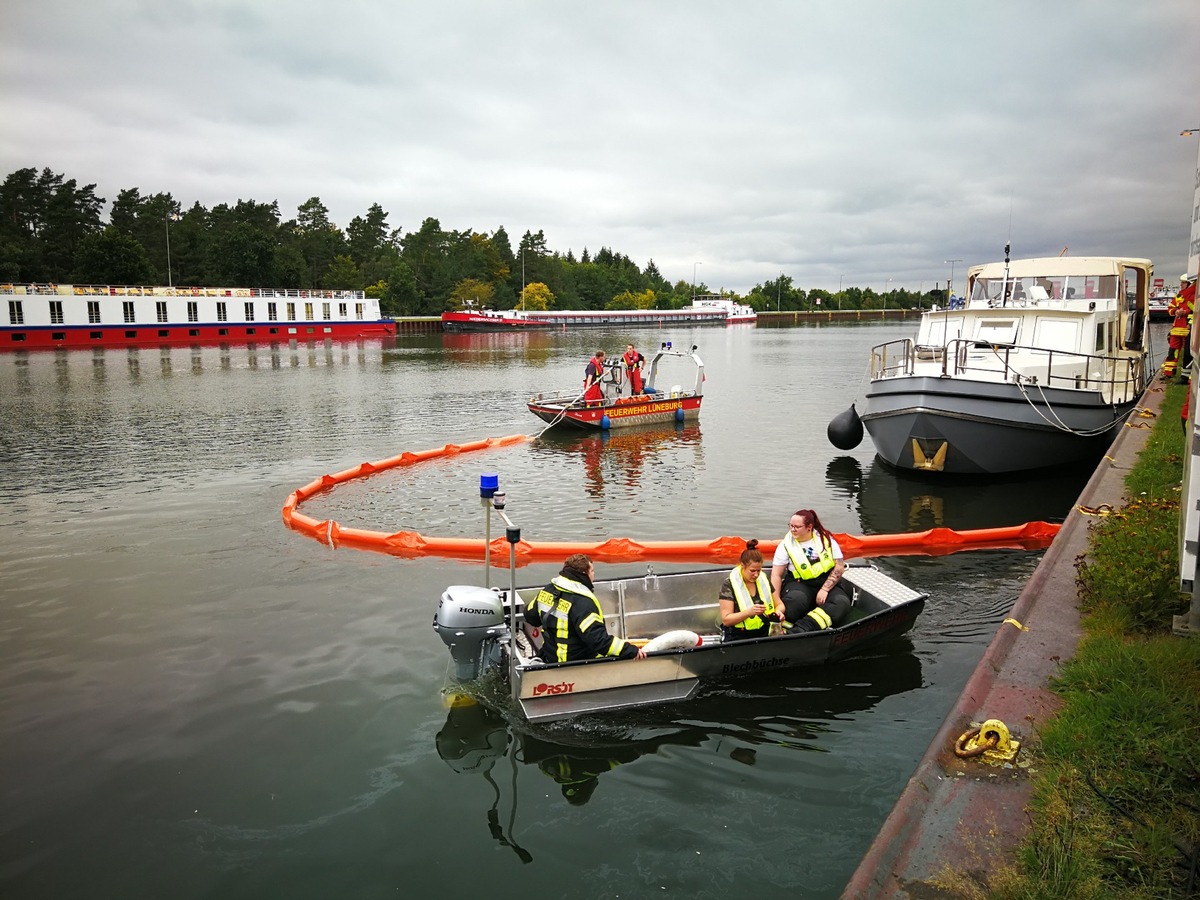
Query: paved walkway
{"points": [[968, 816]]}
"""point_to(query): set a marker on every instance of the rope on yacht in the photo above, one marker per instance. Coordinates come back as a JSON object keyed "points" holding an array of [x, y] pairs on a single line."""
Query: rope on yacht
{"points": [[1057, 421]]}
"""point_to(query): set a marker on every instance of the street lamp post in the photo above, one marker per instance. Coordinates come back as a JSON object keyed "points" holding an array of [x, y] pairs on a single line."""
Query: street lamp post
{"points": [[694, 281], [779, 294], [950, 285], [840, 277]]}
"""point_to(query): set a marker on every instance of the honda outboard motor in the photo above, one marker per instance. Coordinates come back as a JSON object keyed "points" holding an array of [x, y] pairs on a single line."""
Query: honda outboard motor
{"points": [[469, 620]]}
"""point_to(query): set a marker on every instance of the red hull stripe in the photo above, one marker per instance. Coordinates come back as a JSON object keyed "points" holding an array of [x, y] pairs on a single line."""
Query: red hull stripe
{"points": [[136, 335]]}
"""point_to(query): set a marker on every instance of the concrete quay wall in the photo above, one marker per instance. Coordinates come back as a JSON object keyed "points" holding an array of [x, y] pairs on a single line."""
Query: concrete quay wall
{"points": [[967, 816]]}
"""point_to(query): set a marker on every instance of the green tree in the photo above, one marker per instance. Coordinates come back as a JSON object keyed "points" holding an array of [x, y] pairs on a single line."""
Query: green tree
{"points": [[43, 218], [342, 275], [629, 300], [288, 266], [241, 243], [537, 296], [371, 244], [189, 248], [149, 220], [111, 257], [400, 297], [471, 293], [320, 240]]}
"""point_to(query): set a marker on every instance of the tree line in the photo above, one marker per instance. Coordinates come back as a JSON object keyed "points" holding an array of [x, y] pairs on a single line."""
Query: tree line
{"points": [[52, 230]]}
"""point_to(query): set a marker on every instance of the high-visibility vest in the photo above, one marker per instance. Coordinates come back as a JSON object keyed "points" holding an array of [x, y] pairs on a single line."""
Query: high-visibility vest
{"points": [[801, 567], [741, 595], [557, 605]]}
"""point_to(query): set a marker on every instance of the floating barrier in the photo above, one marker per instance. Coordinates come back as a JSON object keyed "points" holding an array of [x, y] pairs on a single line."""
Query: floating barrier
{"points": [[412, 544]]}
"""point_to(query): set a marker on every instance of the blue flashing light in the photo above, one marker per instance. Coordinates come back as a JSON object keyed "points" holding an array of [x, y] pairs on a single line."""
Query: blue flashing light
{"points": [[489, 483]]}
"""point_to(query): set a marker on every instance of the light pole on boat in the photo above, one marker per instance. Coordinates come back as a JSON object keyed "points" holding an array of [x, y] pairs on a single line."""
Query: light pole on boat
{"points": [[950, 285], [694, 281], [171, 217]]}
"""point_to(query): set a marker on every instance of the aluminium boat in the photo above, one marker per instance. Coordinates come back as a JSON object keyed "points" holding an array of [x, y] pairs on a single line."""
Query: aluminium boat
{"points": [[1039, 367], [680, 610]]}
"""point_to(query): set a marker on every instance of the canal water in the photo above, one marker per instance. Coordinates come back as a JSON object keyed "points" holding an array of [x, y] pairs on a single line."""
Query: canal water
{"points": [[199, 703]]}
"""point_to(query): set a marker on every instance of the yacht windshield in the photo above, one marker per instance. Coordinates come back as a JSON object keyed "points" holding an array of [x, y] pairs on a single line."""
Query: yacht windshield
{"points": [[1038, 288]]}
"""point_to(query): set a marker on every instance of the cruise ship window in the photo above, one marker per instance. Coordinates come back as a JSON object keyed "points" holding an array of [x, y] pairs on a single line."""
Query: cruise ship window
{"points": [[160, 307], [93, 312], [342, 310], [249, 312], [272, 312], [127, 309], [325, 313], [222, 315], [308, 311], [193, 310], [56, 313]]}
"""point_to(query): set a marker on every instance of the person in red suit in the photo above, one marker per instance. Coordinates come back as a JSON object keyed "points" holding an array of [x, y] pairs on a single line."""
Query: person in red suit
{"points": [[591, 378], [634, 362], [1179, 357]]}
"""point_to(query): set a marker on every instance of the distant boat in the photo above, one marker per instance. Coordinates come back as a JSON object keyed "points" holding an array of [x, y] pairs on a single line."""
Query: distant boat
{"points": [[735, 313], [1160, 304], [66, 316], [1039, 367], [707, 310]]}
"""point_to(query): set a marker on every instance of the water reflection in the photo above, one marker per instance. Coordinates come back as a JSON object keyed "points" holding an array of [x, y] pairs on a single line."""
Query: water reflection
{"points": [[620, 457], [891, 502]]}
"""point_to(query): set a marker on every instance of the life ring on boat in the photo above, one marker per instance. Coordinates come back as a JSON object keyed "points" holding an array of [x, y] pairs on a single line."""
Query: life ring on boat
{"points": [[673, 640]]}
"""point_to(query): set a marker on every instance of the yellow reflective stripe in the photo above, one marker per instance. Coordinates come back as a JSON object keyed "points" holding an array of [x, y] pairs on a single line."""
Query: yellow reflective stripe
{"points": [[821, 617], [743, 601], [588, 621], [615, 648], [561, 627], [800, 563]]}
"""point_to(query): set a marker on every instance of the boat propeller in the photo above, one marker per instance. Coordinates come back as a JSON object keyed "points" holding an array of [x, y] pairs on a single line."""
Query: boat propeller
{"points": [[845, 430]]}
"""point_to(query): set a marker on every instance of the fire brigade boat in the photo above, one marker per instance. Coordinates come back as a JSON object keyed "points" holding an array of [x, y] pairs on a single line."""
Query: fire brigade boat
{"points": [[619, 409]]}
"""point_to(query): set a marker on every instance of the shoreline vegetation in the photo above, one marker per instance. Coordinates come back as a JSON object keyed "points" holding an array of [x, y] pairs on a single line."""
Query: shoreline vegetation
{"points": [[52, 231], [1115, 809]]}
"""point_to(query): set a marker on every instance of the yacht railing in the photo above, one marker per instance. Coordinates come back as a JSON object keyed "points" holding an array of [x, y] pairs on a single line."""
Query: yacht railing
{"points": [[1121, 379]]}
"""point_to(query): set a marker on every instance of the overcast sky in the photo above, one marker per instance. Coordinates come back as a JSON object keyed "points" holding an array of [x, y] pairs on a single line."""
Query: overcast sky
{"points": [[861, 141]]}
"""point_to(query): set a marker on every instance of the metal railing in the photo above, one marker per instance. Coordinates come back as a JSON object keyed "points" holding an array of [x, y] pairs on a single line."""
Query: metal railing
{"points": [[1120, 378]]}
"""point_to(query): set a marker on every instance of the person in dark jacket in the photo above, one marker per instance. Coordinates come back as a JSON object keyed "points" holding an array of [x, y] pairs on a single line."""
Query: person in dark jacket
{"points": [[571, 620]]}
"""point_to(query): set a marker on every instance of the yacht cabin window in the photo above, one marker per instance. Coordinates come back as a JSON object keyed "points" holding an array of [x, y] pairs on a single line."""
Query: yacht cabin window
{"points": [[1056, 334], [997, 331]]}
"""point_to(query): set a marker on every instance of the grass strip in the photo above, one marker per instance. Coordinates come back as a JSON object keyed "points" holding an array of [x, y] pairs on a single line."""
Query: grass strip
{"points": [[1116, 775]]}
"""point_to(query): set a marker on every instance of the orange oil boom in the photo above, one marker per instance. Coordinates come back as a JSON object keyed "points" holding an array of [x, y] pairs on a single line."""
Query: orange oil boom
{"points": [[411, 544]]}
